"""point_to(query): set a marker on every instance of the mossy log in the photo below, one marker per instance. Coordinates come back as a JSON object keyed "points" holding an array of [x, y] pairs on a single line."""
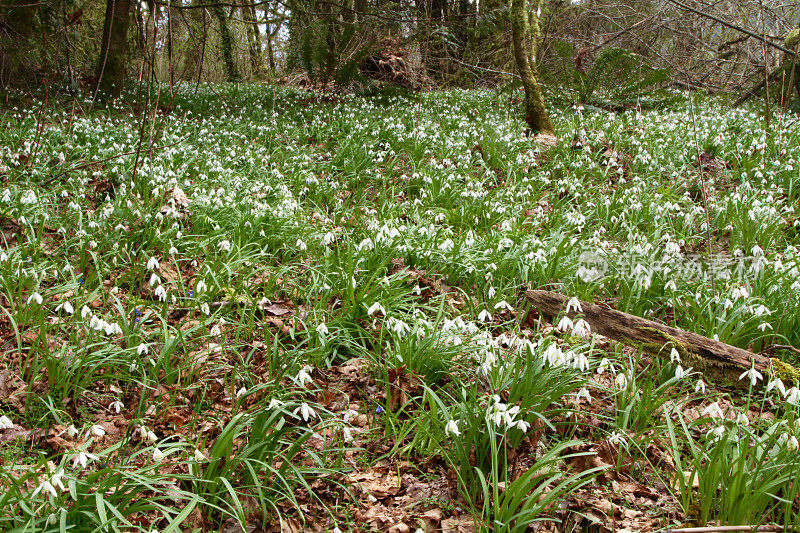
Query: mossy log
{"points": [[715, 359]]}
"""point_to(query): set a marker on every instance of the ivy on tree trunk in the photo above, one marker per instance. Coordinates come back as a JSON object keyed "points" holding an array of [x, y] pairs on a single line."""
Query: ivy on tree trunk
{"points": [[525, 35]]}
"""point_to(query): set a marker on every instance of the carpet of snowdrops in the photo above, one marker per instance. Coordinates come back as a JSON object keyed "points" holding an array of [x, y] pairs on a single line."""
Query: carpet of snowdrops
{"points": [[272, 310]]}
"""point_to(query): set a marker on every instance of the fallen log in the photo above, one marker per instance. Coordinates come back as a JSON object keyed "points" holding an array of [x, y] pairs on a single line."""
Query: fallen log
{"points": [[715, 359]]}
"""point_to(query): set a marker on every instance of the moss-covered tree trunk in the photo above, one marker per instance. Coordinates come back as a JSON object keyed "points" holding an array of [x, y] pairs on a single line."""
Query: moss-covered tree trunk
{"points": [[113, 49], [20, 26], [792, 42], [231, 72], [525, 35]]}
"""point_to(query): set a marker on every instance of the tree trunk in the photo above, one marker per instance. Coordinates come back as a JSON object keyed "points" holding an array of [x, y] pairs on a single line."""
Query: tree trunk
{"points": [[231, 72], [21, 24], [253, 39], [525, 34], [113, 48]]}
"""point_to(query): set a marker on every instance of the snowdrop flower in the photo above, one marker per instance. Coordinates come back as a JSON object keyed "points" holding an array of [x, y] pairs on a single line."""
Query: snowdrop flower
{"points": [[753, 374], [158, 455], [328, 238], [581, 328], [224, 246], [522, 425], [152, 264], [306, 411], [150, 435], [742, 419], [154, 280], [322, 329], [792, 444], [66, 306], [347, 433], [35, 297], [83, 458], [143, 349], [241, 392], [583, 393], [198, 456], [674, 356], [6, 423], [617, 438], [85, 311], [621, 381], [604, 365], [713, 410], [71, 431], [716, 433], [565, 324], [680, 373], [45, 487], [303, 377], [374, 308], [97, 430], [205, 309], [580, 362], [452, 428], [301, 245], [700, 386], [574, 303], [201, 287], [502, 304], [275, 404], [161, 293], [215, 331], [484, 316], [117, 406], [777, 383], [793, 396]]}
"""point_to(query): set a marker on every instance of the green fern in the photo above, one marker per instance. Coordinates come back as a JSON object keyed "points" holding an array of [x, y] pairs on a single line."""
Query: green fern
{"points": [[608, 68]]}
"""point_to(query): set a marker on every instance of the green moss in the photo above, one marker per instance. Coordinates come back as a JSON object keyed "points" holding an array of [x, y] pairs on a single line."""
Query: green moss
{"points": [[785, 371], [791, 38]]}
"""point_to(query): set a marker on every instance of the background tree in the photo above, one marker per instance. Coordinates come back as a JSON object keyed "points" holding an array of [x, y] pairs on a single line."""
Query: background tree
{"points": [[526, 33], [111, 68]]}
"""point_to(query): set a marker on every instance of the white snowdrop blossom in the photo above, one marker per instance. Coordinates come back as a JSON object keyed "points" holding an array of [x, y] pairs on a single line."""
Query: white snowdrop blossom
{"points": [[152, 264], [322, 328], [753, 375], [575, 304], [158, 455], [452, 428], [565, 324], [583, 393], [777, 383], [303, 377], [374, 308], [35, 297], [306, 411], [6, 423], [713, 410], [680, 373], [224, 246]]}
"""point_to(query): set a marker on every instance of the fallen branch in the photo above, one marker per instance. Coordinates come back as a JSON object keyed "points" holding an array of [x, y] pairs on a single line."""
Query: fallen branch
{"points": [[714, 358], [725, 529]]}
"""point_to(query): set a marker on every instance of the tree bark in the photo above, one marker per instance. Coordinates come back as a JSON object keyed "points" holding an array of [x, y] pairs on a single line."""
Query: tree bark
{"points": [[113, 49], [714, 358], [525, 35], [231, 72], [253, 39]]}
